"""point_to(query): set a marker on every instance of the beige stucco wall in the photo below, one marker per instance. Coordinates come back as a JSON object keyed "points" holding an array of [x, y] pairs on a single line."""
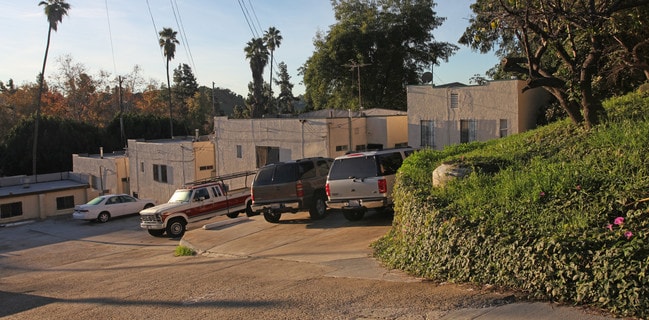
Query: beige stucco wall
{"points": [[486, 104], [43, 205], [181, 157], [387, 131], [110, 172], [295, 138]]}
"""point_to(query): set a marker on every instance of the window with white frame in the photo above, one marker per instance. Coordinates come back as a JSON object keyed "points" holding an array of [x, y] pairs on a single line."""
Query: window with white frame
{"points": [[467, 131], [427, 133], [504, 128]]}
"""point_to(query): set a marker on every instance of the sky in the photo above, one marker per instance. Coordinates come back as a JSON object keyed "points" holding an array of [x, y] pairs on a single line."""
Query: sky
{"points": [[116, 35]]}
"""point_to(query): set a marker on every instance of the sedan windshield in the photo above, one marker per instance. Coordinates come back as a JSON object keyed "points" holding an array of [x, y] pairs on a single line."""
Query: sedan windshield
{"points": [[180, 196]]}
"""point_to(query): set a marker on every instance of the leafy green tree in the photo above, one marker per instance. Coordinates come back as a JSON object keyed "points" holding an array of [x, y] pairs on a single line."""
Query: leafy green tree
{"points": [[561, 45], [168, 44], [257, 54], [272, 39], [54, 10], [285, 98], [185, 88], [380, 46]]}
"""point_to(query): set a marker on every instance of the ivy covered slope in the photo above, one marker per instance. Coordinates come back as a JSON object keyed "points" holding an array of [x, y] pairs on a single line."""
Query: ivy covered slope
{"points": [[559, 213]]}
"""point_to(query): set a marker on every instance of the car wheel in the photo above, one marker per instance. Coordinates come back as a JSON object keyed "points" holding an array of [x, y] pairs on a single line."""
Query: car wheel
{"points": [[103, 217], [353, 215], [176, 228], [232, 215], [319, 208], [156, 232], [272, 217], [148, 205]]}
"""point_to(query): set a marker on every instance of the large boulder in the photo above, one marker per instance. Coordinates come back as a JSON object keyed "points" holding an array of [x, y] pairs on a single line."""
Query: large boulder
{"points": [[447, 172]]}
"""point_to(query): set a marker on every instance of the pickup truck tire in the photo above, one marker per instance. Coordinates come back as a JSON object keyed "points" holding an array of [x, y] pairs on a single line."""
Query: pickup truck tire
{"points": [[353, 215], [319, 207], [156, 232], [232, 215], [272, 217], [176, 228]]}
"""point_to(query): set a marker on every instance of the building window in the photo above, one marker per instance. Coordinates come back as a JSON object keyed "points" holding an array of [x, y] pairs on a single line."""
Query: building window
{"points": [[203, 168], [467, 131], [160, 173], [239, 151], [361, 147], [63, 203], [504, 129], [427, 133], [9, 210], [401, 145], [454, 100], [142, 166], [342, 148]]}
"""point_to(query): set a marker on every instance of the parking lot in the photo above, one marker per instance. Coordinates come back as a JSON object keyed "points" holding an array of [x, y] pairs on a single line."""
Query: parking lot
{"points": [[296, 269]]}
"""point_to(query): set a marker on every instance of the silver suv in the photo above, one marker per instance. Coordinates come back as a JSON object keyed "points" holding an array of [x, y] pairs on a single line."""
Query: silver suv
{"points": [[364, 180]]}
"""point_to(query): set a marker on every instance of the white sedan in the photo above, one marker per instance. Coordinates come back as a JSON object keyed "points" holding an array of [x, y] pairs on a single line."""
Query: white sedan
{"points": [[109, 206]]}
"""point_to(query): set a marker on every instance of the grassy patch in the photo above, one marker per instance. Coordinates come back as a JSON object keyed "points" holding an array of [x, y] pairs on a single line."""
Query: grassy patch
{"points": [[183, 251], [537, 214]]}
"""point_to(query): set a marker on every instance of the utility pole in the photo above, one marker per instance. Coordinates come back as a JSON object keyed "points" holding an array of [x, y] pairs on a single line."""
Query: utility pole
{"points": [[353, 64], [121, 110]]}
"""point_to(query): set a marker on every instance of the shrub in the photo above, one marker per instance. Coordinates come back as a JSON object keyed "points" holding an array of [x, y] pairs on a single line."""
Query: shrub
{"points": [[542, 219], [183, 251]]}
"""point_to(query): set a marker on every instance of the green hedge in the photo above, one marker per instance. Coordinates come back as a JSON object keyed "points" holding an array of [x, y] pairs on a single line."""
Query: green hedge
{"points": [[537, 214]]}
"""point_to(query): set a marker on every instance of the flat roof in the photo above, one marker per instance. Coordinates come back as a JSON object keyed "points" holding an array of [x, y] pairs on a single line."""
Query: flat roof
{"points": [[40, 187]]}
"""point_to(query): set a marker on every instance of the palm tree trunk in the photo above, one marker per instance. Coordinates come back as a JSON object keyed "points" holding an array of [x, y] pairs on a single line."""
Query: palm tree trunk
{"points": [[38, 103], [171, 119], [270, 84]]}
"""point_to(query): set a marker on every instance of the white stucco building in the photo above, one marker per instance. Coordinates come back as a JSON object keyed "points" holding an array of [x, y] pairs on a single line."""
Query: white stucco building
{"points": [[446, 115], [247, 144], [158, 167]]}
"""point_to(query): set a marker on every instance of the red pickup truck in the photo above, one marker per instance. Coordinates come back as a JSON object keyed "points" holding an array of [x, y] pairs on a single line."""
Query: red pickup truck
{"points": [[198, 200]]}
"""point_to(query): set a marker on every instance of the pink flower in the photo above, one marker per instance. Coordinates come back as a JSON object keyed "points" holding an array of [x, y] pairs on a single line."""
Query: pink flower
{"points": [[609, 227], [618, 221], [542, 194], [628, 234], [578, 187]]}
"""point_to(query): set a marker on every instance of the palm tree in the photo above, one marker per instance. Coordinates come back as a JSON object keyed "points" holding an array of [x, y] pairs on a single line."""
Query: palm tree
{"points": [[168, 43], [257, 53], [273, 40], [54, 10]]}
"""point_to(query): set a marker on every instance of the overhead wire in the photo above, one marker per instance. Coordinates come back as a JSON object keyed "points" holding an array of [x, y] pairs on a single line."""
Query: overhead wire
{"points": [[110, 36], [155, 30], [244, 10], [183, 35]]}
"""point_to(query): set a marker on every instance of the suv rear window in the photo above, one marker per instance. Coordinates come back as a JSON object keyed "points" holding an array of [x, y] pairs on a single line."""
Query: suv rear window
{"points": [[281, 173], [389, 163], [361, 167]]}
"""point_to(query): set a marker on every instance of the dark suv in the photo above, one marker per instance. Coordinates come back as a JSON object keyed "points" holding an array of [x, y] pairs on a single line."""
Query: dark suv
{"points": [[291, 186]]}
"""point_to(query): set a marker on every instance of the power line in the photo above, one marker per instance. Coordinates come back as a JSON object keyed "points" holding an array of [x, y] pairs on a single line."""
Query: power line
{"points": [[110, 36], [244, 10], [155, 30], [183, 36], [256, 19]]}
